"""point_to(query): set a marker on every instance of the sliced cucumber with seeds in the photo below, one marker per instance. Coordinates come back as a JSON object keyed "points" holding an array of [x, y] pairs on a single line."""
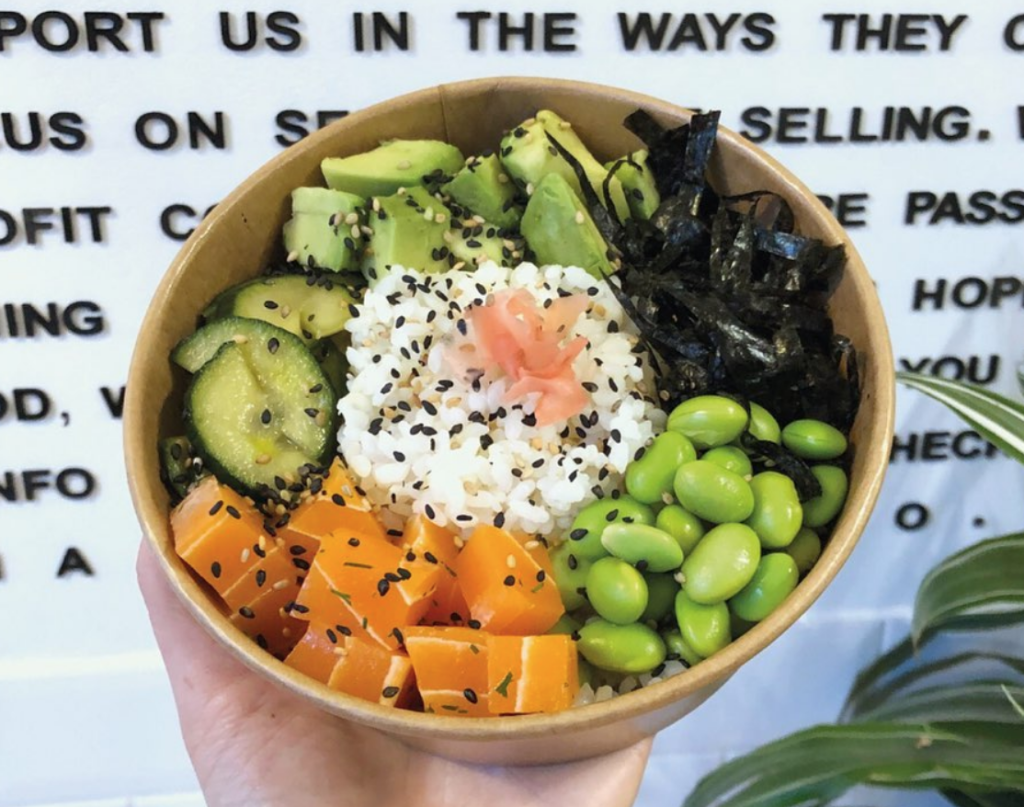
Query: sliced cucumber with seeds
{"points": [[178, 469], [332, 361], [261, 410], [311, 312]]}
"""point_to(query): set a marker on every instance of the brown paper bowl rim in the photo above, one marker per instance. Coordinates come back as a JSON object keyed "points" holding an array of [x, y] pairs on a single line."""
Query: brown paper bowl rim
{"points": [[710, 672]]}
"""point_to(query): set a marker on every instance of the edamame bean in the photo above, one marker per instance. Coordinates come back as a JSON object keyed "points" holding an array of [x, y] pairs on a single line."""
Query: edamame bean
{"points": [[721, 564], [616, 591], [570, 572], [814, 440], [763, 424], [565, 625], [705, 628], [774, 580], [649, 479], [661, 594], [713, 492], [585, 533], [805, 549], [777, 511], [631, 648], [682, 525], [646, 547], [586, 672], [820, 510], [708, 420], [731, 458], [677, 646]]}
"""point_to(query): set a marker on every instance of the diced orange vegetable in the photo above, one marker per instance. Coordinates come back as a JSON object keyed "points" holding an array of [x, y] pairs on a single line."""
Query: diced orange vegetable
{"points": [[359, 578], [368, 671], [451, 669], [338, 506], [507, 588], [268, 620], [215, 531], [527, 674], [435, 545], [314, 654], [275, 570]]}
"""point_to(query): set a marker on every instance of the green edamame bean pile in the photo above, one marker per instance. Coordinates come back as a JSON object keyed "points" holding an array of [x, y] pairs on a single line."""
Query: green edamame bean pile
{"points": [[708, 538]]}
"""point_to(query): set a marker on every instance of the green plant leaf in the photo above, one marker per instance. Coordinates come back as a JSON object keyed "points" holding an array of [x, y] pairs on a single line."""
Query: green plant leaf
{"points": [[995, 417], [982, 586], [961, 799], [1016, 703], [820, 764], [975, 701], [861, 702]]}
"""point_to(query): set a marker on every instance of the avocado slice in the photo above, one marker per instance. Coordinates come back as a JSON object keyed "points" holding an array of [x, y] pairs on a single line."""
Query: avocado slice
{"points": [[529, 157], [560, 231], [483, 187], [477, 242], [392, 165], [320, 231], [638, 183], [408, 230]]}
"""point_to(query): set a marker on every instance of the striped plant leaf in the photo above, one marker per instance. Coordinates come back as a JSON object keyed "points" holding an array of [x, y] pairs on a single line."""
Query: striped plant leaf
{"points": [[983, 584], [974, 701], [961, 799], [946, 670], [995, 417], [820, 764], [1016, 703]]}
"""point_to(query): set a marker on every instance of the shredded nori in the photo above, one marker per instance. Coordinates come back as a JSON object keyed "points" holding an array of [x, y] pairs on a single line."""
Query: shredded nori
{"points": [[726, 294]]}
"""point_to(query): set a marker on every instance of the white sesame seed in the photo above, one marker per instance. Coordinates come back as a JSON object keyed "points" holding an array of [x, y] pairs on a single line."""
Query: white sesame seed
{"points": [[352, 218], [440, 218], [263, 459], [404, 165], [579, 217], [245, 555], [281, 584], [292, 256], [529, 189], [510, 561], [503, 179]]}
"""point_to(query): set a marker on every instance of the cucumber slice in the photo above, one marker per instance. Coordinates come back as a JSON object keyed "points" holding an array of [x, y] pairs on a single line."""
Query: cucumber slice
{"points": [[332, 361], [177, 467], [259, 411], [309, 311], [194, 351]]}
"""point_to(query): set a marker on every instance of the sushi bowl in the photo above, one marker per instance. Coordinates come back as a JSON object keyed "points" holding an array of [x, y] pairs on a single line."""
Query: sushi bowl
{"points": [[242, 235]]}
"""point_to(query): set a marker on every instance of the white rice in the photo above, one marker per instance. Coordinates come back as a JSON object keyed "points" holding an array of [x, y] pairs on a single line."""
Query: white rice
{"points": [[412, 461]]}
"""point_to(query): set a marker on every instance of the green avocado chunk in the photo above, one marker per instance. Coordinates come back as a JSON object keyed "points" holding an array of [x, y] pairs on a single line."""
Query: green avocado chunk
{"points": [[638, 183], [560, 231], [408, 231], [393, 165], [483, 188], [529, 157], [319, 233]]}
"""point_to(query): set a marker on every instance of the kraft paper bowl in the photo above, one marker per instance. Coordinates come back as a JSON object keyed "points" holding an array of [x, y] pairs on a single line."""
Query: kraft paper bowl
{"points": [[241, 235]]}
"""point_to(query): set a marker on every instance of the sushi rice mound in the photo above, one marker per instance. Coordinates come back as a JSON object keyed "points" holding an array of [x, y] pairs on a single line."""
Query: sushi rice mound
{"points": [[423, 440]]}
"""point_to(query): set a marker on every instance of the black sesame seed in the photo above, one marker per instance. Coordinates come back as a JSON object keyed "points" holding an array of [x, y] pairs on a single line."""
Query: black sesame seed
{"points": [[269, 304], [311, 411], [391, 577], [261, 578], [537, 463], [301, 563], [470, 695], [297, 550], [404, 574], [589, 386], [353, 541], [509, 581], [233, 512], [343, 630], [216, 507], [400, 322], [612, 515], [332, 636], [429, 557], [429, 407], [300, 609], [273, 344], [613, 327], [383, 586], [398, 635], [338, 499], [571, 562], [429, 512], [499, 520], [215, 569], [641, 565], [399, 456], [541, 576], [390, 692], [246, 612]]}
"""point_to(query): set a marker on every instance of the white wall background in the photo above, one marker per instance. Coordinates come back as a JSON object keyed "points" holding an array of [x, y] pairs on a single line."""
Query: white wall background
{"points": [[85, 712]]}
